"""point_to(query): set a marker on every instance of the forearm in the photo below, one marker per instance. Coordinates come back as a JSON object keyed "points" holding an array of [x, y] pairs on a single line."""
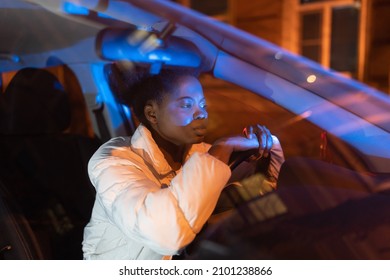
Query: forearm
{"points": [[221, 152], [198, 187]]}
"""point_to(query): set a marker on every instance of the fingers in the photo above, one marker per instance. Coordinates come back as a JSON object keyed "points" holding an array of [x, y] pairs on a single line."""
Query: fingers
{"points": [[248, 132], [266, 141], [263, 136], [255, 136]]}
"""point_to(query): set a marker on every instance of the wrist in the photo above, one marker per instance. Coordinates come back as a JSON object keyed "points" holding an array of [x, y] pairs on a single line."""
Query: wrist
{"points": [[221, 152]]}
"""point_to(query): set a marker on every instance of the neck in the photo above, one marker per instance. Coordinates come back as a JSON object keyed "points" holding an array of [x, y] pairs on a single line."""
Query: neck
{"points": [[174, 154]]}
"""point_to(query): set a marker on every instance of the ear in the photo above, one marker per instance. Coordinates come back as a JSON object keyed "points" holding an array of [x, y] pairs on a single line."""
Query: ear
{"points": [[150, 112]]}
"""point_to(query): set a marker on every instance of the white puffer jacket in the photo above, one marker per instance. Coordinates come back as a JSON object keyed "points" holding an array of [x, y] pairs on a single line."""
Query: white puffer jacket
{"points": [[143, 209]]}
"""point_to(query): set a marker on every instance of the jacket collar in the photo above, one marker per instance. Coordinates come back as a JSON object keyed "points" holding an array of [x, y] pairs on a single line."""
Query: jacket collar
{"points": [[143, 144]]}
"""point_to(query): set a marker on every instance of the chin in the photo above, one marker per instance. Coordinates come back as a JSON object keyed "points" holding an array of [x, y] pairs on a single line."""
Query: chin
{"points": [[198, 139]]}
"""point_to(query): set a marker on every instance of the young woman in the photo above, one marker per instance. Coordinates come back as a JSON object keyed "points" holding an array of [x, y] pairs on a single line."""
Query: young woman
{"points": [[156, 189]]}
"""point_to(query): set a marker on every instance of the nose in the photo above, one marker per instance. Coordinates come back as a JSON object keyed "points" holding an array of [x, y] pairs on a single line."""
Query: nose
{"points": [[200, 114]]}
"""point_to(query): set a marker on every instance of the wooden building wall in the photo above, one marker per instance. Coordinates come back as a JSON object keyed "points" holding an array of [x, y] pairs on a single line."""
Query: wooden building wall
{"points": [[261, 18], [277, 21], [378, 54]]}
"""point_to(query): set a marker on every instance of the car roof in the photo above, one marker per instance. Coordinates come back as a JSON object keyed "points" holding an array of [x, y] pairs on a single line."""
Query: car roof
{"points": [[165, 34]]}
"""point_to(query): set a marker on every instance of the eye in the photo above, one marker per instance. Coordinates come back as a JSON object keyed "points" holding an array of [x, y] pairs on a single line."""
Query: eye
{"points": [[203, 105], [186, 105]]}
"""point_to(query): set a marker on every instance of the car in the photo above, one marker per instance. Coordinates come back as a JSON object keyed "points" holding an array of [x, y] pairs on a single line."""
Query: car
{"points": [[58, 105]]}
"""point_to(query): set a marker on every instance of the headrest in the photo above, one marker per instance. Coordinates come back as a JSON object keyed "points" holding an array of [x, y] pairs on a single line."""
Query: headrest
{"points": [[34, 103]]}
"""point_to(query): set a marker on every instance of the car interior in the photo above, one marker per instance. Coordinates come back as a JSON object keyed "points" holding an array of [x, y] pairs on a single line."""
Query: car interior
{"points": [[45, 164]]}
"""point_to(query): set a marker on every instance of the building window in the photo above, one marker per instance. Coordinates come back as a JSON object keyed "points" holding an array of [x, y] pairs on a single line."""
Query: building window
{"points": [[311, 35], [344, 39], [329, 33]]}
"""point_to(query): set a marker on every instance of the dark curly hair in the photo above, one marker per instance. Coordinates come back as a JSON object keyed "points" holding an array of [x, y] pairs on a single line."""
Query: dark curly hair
{"points": [[135, 86]]}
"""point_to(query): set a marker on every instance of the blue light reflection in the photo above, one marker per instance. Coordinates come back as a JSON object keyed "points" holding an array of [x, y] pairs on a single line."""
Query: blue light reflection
{"points": [[73, 9], [105, 96]]}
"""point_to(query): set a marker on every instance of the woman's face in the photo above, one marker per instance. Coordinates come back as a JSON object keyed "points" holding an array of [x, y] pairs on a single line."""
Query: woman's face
{"points": [[181, 118]]}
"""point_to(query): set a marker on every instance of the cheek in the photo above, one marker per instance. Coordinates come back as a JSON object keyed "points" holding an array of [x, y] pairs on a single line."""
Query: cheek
{"points": [[183, 121], [178, 119]]}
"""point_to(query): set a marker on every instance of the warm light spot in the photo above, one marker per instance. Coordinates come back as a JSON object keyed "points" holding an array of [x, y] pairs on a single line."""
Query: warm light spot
{"points": [[311, 79], [278, 55]]}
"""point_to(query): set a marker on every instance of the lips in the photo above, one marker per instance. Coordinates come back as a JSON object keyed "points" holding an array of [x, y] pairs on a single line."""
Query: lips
{"points": [[200, 130]]}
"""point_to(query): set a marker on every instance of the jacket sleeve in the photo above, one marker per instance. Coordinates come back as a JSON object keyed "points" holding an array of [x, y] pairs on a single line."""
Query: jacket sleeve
{"points": [[276, 161], [164, 219], [260, 175]]}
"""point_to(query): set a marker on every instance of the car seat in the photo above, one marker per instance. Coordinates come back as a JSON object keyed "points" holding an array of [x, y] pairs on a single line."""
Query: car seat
{"points": [[17, 240], [43, 166]]}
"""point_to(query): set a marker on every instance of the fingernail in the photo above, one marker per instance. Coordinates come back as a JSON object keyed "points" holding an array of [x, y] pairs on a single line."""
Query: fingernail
{"points": [[245, 132]]}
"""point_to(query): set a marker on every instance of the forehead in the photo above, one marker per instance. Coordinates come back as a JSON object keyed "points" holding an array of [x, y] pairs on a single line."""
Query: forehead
{"points": [[187, 86]]}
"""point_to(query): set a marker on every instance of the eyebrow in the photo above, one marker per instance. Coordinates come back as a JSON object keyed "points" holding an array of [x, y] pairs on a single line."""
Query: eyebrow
{"points": [[189, 97]]}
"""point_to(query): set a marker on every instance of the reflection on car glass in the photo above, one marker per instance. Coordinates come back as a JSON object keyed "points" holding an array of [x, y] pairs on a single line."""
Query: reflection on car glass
{"points": [[265, 208]]}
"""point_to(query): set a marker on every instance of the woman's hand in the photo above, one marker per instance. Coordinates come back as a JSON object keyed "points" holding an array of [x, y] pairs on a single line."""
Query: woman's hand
{"points": [[255, 137], [223, 148], [263, 136]]}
